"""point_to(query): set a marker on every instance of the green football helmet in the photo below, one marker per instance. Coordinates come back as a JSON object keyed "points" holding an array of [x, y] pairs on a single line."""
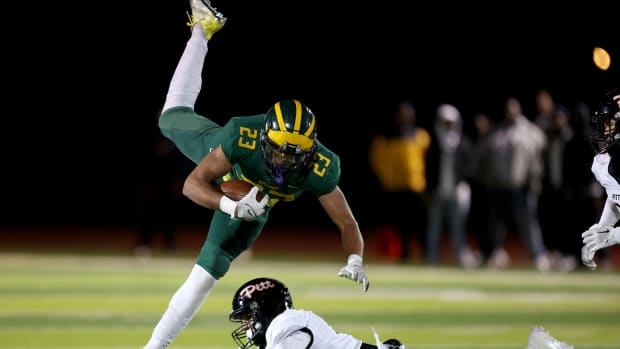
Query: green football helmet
{"points": [[288, 139]]}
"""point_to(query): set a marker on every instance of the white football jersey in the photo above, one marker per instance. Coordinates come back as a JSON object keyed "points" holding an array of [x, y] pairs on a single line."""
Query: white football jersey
{"points": [[284, 332], [601, 173]]}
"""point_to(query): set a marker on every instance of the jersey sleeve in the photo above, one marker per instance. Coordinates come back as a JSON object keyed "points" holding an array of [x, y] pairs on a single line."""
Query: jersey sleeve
{"points": [[240, 137], [297, 327], [325, 173], [284, 331], [295, 340]]}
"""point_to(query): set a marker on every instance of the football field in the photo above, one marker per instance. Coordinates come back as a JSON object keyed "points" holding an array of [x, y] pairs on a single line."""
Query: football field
{"points": [[79, 301]]}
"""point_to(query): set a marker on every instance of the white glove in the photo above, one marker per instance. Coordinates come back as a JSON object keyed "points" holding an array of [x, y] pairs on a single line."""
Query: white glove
{"points": [[248, 208], [596, 238], [587, 258], [355, 271]]}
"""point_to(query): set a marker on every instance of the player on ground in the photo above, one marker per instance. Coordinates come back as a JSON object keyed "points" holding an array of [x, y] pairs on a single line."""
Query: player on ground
{"points": [[606, 169], [277, 152], [264, 307]]}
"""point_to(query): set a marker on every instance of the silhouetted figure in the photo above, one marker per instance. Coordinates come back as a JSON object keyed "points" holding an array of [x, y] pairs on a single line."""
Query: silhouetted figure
{"points": [[398, 159], [159, 203], [448, 164], [517, 164]]}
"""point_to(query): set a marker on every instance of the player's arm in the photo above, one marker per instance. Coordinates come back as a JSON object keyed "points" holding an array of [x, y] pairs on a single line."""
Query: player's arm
{"points": [[198, 187], [601, 235], [337, 207], [610, 214]]}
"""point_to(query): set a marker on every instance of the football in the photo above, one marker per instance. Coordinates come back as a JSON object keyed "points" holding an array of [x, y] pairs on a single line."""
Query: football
{"points": [[237, 189]]}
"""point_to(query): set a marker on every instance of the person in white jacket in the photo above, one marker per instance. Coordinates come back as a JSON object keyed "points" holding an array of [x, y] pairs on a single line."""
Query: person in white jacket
{"points": [[606, 170]]}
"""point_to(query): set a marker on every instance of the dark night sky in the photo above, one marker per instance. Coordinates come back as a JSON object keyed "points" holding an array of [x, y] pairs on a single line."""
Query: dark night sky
{"points": [[85, 89]]}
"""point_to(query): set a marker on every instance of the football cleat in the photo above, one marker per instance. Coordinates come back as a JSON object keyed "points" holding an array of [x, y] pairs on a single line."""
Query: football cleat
{"points": [[539, 338], [206, 15]]}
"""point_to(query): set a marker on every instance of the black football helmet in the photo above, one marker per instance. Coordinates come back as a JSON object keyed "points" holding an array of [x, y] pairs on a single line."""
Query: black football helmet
{"points": [[255, 304], [288, 139], [606, 122]]}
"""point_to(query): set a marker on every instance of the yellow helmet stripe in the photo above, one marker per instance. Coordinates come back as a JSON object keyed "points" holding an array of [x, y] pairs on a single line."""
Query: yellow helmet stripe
{"points": [[311, 128], [281, 137], [297, 116], [281, 124]]}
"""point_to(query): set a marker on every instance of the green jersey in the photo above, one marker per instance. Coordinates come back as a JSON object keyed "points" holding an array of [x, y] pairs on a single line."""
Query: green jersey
{"points": [[196, 136], [240, 141]]}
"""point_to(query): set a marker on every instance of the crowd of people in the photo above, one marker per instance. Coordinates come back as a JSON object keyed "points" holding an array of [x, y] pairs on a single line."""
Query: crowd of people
{"points": [[482, 177]]}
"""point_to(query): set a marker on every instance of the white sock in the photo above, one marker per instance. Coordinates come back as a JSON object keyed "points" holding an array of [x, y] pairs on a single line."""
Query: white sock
{"points": [[184, 304], [187, 78]]}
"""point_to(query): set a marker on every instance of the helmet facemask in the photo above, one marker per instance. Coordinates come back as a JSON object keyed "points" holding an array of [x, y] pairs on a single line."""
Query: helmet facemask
{"points": [[282, 160], [251, 332], [255, 304]]}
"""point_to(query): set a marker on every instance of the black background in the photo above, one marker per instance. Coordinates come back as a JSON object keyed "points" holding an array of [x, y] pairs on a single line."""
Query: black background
{"points": [[83, 85]]}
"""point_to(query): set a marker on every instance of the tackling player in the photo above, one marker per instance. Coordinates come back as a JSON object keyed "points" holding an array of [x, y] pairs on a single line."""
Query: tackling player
{"points": [[264, 307], [278, 152], [606, 170]]}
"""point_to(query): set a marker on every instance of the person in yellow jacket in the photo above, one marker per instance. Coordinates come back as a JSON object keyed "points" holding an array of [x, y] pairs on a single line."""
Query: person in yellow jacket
{"points": [[397, 158]]}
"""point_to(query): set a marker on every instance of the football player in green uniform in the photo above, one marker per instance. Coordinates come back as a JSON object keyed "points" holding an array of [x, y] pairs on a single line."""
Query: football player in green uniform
{"points": [[277, 152]]}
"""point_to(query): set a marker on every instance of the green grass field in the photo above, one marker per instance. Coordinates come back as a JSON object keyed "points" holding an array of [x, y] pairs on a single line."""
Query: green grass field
{"points": [[75, 301]]}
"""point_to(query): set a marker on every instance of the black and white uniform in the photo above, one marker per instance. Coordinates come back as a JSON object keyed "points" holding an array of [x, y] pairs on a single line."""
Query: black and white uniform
{"points": [[303, 329], [600, 170]]}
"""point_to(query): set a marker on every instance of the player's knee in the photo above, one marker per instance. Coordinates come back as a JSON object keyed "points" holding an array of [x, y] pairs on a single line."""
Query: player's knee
{"points": [[214, 260]]}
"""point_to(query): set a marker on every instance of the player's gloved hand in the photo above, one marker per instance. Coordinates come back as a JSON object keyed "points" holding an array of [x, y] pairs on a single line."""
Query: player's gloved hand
{"points": [[597, 238], [587, 258], [248, 208], [355, 271], [392, 344]]}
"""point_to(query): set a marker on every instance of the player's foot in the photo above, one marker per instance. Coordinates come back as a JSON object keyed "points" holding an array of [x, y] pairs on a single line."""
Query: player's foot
{"points": [[207, 16], [539, 338]]}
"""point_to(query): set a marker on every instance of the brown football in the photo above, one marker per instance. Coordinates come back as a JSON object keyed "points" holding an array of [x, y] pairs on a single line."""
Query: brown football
{"points": [[237, 189]]}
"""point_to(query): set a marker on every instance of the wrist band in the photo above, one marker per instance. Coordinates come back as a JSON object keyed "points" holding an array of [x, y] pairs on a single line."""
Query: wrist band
{"points": [[228, 205]]}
